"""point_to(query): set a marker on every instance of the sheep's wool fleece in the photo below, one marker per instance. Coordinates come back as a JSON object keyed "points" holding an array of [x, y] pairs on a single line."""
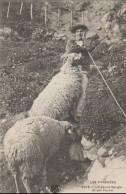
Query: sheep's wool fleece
{"points": [[58, 99], [30, 141]]}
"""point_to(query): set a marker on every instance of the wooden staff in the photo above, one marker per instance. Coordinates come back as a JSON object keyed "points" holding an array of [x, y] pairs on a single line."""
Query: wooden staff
{"points": [[83, 17], [45, 16], [21, 8], [58, 16], [71, 18], [31, 11], [8, 9]]}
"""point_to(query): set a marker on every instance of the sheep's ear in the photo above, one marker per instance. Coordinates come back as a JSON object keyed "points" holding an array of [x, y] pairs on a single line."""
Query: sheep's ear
{"points": [[68, 129]]}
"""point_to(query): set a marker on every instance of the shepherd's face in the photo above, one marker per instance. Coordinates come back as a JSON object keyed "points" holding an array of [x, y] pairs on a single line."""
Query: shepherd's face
{"points": [[80, 33]]}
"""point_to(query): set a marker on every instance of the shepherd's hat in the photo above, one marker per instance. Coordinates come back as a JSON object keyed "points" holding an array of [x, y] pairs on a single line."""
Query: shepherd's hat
{"points": [[78, 26]]}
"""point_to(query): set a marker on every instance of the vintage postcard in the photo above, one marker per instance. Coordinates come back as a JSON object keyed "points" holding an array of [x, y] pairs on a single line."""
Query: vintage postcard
{"points": [[63, 96]]}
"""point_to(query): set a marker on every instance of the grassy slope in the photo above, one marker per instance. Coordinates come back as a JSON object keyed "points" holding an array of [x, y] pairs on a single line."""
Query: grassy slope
{"points": [[29, 68], [102, 116]]}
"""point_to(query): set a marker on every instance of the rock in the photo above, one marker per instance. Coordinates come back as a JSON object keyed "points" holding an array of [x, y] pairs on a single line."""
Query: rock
{"points": [[111, 151], [102, 160], [97, 172], [99, 28], [119, 176], [86, 144], [107, 17], [116, 29], [108, 160], [116, 163], [3, 120], [85, 153], [91, 154], [115, 171], [101, 151], [63, 38], [48, 190], [107, 26], [66, 177], [111, 69], [92, 35]]}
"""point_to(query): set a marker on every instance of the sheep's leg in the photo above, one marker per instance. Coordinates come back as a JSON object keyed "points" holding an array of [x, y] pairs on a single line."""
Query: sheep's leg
{"points": [[75, 108], [44, 174], [16, 179], [27, 184], [74, 115], [44, 179]]}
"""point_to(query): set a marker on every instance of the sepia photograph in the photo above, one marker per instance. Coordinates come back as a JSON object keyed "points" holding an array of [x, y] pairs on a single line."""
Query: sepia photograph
{"points": [[62, 96]]}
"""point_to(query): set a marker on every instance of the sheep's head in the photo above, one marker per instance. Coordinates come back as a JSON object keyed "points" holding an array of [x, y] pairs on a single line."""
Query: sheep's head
{"points": [[74, 132], [72, 58]]}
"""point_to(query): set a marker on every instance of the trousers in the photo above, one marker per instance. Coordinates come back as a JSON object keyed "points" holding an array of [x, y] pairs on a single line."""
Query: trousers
{"points": [[80, 106]]}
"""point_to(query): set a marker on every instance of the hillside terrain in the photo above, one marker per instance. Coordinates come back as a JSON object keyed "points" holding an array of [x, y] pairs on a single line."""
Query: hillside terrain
{"points": [[30, 55]]}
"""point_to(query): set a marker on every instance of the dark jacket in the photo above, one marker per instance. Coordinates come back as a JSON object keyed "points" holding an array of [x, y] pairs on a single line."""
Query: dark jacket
{"points": [[73, 47]]}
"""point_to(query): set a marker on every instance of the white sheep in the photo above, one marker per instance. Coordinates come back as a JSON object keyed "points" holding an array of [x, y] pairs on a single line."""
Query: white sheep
{"points": [[30, 143], [60, 97]]}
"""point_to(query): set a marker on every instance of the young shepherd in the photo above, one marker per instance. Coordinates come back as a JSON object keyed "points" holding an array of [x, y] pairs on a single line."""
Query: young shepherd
{"points": [[30, 143], [60, 97]]}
